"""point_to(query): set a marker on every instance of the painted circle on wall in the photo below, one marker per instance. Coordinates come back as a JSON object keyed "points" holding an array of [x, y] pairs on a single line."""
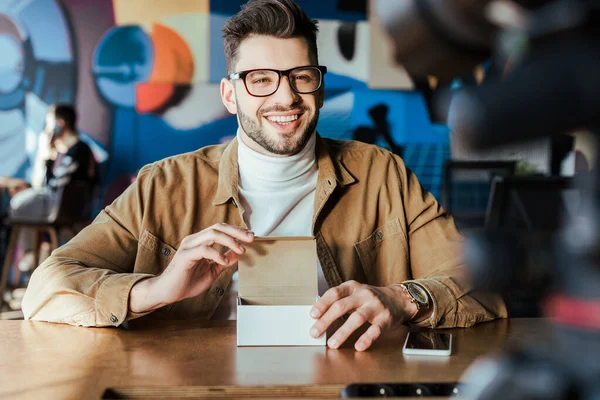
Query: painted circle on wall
{"points": [[11, 63], [122, 59]]}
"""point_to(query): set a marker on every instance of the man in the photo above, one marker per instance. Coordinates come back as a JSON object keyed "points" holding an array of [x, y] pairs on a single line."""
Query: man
{"points": [[62, 162], [169, 244]]}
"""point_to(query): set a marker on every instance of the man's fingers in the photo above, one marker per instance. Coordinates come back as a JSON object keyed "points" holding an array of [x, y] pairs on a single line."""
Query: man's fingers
{"points": [[234, 231], [367, 338], [223, 234], [331, 296], [232, 257], [356, 320], [224, 239], [337, 309], [193, 255], [211, 235]]}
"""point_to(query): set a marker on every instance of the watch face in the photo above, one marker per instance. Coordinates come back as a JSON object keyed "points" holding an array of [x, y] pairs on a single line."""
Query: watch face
{"points": [[419, 294]]}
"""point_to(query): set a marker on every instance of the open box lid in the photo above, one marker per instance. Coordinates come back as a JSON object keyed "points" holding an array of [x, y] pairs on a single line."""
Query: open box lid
{"points": [[278, 266]]}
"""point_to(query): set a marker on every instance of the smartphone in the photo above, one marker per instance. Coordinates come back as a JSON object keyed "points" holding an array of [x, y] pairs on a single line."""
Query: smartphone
{"points": [[446, 389], [428, 343]]}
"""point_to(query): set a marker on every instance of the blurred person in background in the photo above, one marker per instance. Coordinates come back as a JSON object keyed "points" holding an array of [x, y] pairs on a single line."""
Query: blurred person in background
{"points": [[62, 159]]}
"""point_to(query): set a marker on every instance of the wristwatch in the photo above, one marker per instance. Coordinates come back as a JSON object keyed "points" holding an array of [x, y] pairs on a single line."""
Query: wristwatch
{"points": [[417, 294]]}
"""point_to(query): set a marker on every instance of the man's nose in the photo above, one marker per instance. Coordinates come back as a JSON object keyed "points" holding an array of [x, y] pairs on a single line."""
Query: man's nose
{"points": [[285, 94]]}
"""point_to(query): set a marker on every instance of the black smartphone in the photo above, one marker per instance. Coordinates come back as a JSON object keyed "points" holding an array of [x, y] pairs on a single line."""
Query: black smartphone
{"points": [[446, 389]]}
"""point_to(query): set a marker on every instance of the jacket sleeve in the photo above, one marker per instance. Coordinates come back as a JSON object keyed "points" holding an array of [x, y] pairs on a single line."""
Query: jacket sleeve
{"points": [[435, 249], [88, 280]]}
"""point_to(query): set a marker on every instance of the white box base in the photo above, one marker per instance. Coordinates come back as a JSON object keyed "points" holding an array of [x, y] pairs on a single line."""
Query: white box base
{"points": [[275, 326]]}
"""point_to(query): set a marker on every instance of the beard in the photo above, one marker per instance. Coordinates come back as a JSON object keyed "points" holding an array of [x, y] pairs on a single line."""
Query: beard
{"points": [[282, 145]]}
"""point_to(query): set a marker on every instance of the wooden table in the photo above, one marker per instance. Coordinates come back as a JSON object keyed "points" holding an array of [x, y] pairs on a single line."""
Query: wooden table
{"points": [[50, 361]]}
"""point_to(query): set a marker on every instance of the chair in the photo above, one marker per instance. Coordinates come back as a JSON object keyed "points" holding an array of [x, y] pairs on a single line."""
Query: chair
{"points": [[3, 223], [530, 203], [530, 210], [466, 189], [71, 211]]}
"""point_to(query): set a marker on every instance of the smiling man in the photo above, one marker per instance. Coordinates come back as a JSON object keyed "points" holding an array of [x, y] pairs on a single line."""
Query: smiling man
{"points": [[388, 253], [275, 119]]}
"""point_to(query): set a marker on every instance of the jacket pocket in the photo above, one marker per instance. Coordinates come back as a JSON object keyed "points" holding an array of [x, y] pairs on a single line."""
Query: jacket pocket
{"points": [[384, 253], [154, 255]]}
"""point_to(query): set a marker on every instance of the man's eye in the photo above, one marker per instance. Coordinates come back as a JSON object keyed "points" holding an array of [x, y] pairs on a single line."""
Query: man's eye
{"points": [[303, 78], [261, 80]]}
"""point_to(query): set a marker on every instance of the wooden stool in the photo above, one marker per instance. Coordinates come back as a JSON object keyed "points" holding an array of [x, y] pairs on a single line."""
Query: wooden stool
{"points": [[72, 211], [50, 229]]}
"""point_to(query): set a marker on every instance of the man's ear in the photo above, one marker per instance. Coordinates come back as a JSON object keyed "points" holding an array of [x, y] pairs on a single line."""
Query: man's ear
{"points": [[228, 96], [321, 97]]}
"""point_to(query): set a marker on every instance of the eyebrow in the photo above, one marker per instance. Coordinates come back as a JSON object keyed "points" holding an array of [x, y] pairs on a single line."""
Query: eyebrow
{"points": [[260, 72]]}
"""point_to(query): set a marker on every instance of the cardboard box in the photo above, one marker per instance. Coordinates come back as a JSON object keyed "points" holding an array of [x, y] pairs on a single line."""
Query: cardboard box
{"points": [[277, 289]]}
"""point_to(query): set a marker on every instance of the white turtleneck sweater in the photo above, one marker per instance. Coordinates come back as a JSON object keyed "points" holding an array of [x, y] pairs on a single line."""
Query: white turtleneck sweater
{"points": [[278, 195]]}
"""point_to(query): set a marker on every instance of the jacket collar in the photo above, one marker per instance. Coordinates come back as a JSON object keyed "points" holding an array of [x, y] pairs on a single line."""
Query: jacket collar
{"points": [[330, 169], [329, 166]]}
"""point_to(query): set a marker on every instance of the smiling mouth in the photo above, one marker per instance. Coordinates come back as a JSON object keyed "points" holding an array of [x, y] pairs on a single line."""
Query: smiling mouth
{"points": [[283, 119]]}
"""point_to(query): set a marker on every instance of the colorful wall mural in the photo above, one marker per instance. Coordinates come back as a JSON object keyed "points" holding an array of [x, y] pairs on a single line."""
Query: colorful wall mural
{"points": [[144, 75]]}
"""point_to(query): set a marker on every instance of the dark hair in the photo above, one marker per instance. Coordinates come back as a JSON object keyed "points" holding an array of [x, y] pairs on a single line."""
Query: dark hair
{"points": [[283, 19], [65, 112]]}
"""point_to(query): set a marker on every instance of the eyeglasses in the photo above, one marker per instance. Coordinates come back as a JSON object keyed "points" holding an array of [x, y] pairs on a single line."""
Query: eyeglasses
{"points": [[265, 82]]}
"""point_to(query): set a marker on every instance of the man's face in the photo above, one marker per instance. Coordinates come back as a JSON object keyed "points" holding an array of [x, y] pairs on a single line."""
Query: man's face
{"points": [[54, 126], [280, 124]]}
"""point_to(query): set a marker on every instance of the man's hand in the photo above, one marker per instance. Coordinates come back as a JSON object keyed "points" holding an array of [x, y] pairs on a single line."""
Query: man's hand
{"points": [[382, 307], [194, 268], [13, 185]]}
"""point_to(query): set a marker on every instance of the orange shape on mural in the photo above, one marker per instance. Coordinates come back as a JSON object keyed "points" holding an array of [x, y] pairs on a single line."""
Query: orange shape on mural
{"points": [[173, 60], [152, 96], [173, 65]]}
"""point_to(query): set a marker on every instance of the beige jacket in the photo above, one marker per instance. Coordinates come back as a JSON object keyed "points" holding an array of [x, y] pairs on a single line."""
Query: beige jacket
{"points": [[373, 223]]}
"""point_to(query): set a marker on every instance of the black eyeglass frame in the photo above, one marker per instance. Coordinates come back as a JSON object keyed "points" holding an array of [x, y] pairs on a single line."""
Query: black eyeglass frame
{"points": [[242, 75]]}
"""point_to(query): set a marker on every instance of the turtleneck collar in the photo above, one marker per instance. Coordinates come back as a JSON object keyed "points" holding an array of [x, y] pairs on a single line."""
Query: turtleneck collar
{"points": [[260, 171]]}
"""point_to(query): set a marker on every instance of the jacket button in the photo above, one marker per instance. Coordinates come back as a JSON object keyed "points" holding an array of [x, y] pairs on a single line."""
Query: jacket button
{"points": [[220, 290], [378, 235], [166, 252], [113, 319]]}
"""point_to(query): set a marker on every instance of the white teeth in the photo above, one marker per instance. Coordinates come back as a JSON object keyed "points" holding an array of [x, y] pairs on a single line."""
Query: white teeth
{"points": [[282, 119]]}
